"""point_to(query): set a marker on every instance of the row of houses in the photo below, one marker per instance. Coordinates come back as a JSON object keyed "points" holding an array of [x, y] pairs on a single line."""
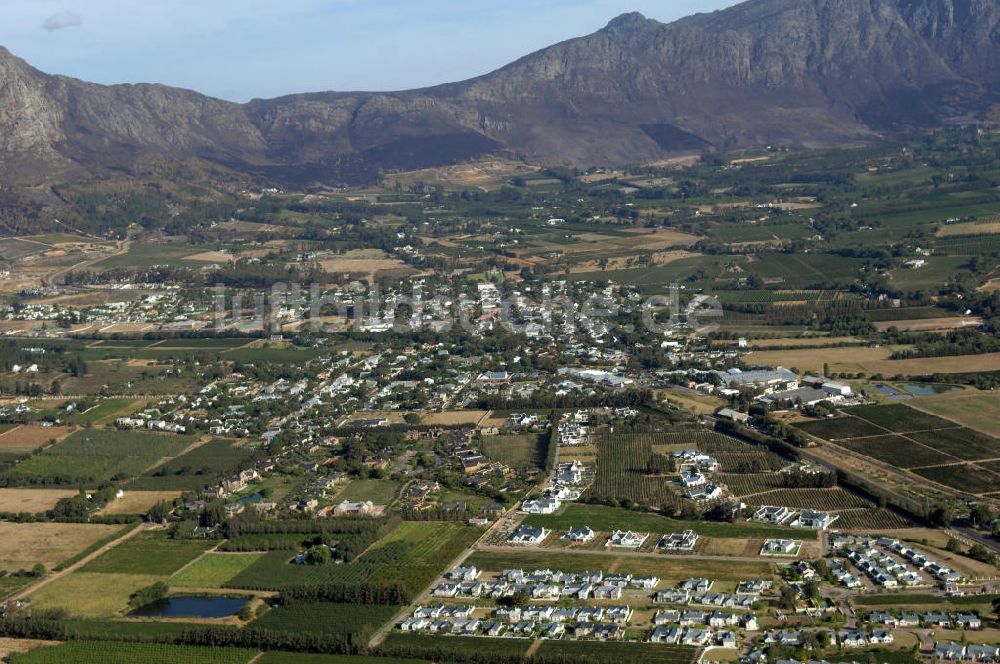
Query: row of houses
{"points": [[938, 619], [692, 637], [980, 652], [745, 621], [871, 556]]}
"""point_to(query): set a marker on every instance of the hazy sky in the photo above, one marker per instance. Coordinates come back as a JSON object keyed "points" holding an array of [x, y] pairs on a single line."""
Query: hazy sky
{"points": [[240, 49]]}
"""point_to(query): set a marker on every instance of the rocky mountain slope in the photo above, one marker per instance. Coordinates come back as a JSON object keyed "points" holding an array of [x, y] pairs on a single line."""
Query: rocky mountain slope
{"points": [[798, 72]]}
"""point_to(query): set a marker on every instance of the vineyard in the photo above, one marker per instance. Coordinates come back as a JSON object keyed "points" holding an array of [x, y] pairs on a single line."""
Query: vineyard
{"points": [[621, 471], [442, 649], [970, 479], [896, 450], [751, 461], [98, 652], [752, 483], [614, 653], [924, 444], [326, 619], [870, 519], [827, 500]]}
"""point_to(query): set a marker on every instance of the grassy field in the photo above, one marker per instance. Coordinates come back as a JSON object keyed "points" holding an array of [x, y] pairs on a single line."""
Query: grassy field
{"points": [[455, 417], [106, 411], [87, 595], [32, 500], [138, 502], [520, 451], [849, 358], [98, 652], [214, 570], [22, 545], [380, 492], [148, 553], [974, 409]]}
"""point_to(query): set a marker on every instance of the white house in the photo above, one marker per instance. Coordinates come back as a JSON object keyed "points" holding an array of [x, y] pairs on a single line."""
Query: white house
{"points": [[580, 535], [541, 506], [626, 539], [684, 541], [814, 520], [527, 535]]}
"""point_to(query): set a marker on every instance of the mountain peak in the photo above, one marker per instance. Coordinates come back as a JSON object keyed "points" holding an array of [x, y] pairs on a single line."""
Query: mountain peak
{"points": [[628, 22]]}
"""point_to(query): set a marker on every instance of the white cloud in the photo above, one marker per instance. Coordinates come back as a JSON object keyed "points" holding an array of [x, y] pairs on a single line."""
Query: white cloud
{"points": [[62, 20]]}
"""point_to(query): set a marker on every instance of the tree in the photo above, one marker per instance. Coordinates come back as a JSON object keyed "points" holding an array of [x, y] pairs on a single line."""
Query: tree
{"points": [[158, 512], [148, 595], [939, 517], [319, 555], [789, 598], [996, 607], [980, 515]]}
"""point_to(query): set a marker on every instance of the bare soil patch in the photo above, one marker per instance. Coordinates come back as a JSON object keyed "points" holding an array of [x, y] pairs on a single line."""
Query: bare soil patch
{"points": [[31, 437]]}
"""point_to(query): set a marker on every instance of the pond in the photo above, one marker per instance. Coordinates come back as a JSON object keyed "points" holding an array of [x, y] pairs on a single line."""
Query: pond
{"points": [[891, 392], [192, 607], [928, 389]]}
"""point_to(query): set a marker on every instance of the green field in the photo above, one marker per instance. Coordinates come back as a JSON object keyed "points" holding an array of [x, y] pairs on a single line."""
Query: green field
{"points": [[214, 570], [149, 554], [105, 412], [98, 652], [96, 455], [519, 451], [380, 492]]}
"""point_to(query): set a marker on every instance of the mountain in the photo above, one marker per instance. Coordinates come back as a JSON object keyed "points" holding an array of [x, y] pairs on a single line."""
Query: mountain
{"points": [[792, 72]]}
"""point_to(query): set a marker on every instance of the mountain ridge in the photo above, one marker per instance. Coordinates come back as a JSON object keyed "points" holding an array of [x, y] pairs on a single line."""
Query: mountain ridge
{"points": [[797, 72]]}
